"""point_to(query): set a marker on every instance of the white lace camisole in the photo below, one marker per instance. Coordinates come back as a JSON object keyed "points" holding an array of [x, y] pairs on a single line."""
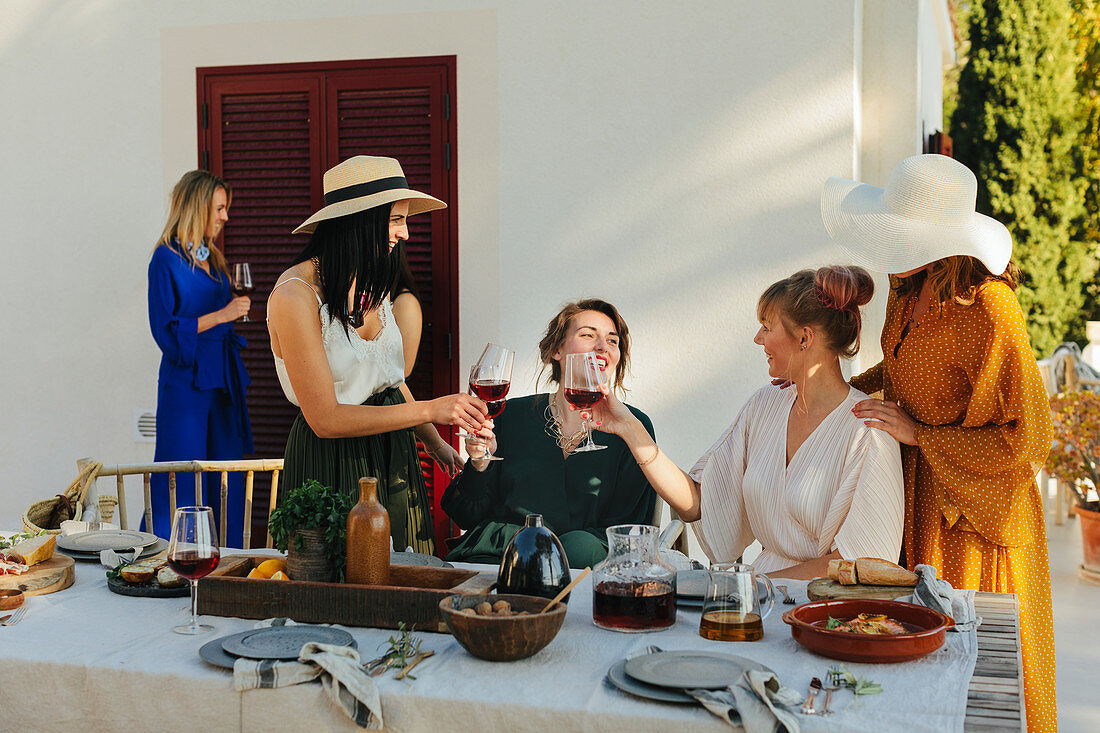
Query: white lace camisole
{"points": [[359, 367]]}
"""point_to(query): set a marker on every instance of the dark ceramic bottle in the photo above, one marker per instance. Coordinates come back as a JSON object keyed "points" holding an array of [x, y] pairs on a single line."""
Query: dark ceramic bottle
{"points": [[368, 538], [534, 562]]}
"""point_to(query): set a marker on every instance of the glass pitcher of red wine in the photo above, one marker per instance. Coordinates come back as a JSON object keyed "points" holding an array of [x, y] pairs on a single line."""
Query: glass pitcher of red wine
{"points": [[633, 589]]}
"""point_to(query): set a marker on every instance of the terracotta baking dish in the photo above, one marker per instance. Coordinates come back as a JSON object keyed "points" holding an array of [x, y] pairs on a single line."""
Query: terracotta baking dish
{"points": [[808, 621]]}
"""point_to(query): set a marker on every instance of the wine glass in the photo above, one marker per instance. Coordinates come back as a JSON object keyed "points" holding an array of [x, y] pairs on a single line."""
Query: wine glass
{"points": [[193, 553], [242, 282], [583, 377], [490, 379]]}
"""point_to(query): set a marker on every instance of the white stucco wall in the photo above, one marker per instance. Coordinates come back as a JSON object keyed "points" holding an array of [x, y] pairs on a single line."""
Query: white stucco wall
{"points": [[667, 157]]}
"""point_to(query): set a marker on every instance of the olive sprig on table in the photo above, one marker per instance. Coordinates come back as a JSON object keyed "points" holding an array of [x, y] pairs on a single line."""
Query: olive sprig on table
{"points": [[842, 677]]}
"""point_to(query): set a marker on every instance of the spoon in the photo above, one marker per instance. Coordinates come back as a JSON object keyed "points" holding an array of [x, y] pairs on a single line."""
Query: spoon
{"points": [[564, 591]]}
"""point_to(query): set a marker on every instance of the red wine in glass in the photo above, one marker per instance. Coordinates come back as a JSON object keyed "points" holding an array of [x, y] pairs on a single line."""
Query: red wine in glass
{"points": [[582, 377], [582, 399], [242, 282], [193, 552], [490, 379], [490, 390], [192, 565]]}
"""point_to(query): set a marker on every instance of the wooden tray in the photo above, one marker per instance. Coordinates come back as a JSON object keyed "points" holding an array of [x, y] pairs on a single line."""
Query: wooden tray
{"points": [[412, 597], [46, 577], [827, 589]]}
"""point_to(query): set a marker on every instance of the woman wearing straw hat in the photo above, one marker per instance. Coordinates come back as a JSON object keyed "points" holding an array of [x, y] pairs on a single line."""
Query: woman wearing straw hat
{"points": [[961, 391], [201, 410], [339, 357]]}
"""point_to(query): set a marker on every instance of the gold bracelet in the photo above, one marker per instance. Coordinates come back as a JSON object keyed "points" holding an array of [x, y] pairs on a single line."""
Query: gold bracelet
{"points": [[651, 459]]}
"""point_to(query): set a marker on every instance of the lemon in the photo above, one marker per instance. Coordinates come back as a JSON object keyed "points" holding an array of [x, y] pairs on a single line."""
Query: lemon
{"points": [[269, 567], [255, 573], [280, 575]]}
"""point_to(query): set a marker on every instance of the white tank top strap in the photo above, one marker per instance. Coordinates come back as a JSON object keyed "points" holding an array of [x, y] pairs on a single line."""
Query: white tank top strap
{"points": [[284, 282]]}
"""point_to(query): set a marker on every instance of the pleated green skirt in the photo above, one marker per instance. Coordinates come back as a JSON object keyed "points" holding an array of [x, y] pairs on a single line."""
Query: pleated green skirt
{"points": [[390, 457]]}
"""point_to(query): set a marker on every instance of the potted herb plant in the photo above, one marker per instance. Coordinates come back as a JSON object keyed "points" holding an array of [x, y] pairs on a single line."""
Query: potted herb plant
{"points": [[310, 524], [1075, 460]]}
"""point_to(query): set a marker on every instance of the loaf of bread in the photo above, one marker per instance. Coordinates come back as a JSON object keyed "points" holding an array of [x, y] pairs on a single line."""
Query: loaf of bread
{"points": [[876, 571], [846, 573], [33, 551], [834, 569]]}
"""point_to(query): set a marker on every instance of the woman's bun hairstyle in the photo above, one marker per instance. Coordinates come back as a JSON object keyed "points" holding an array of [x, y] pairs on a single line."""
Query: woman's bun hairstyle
{"points": [[827, 299]]}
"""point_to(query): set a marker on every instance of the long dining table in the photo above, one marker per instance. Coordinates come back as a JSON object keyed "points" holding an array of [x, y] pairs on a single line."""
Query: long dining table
{"points": [[85, 659]]}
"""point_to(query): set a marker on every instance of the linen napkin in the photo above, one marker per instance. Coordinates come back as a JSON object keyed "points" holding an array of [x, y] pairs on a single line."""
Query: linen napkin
{"points": [[758, 702], [338, 667], [937, 594]]}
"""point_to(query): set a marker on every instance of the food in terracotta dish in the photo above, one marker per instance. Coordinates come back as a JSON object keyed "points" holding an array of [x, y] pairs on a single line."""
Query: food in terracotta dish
{"points": [[868, 623]]}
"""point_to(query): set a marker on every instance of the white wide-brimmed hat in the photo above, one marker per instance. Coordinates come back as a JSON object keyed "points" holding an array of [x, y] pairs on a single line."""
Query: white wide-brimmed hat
{"points": [[363, 182], [925, 213]]}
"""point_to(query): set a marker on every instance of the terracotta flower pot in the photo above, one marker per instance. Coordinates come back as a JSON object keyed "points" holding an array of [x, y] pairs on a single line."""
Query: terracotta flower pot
{"points": [[312, 561], [1090, 543]]}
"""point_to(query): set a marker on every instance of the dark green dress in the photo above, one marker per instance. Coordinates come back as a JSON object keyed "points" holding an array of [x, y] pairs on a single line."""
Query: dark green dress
{"points": [[578, 497], [389, 457]]}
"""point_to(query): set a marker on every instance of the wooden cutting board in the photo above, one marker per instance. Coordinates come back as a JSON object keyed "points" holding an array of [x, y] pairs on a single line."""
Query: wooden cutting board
{"points": [[46, 577], [826, 589]]}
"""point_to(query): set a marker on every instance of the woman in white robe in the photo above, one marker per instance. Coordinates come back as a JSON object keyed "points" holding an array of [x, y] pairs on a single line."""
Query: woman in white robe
{"points": [[797, 470]]}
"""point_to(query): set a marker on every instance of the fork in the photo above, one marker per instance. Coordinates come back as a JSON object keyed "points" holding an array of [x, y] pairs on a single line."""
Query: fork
{"points": [[786, 598], [14, 618], [828, 698]]}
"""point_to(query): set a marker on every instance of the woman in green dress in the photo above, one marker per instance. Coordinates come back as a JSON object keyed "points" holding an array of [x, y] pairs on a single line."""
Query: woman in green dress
{"points": [[579, 495], [338, 352]]}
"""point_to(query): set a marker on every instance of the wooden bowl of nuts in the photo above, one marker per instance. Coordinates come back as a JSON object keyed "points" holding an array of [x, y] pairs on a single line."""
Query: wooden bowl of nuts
{"points": [[501, 628]]}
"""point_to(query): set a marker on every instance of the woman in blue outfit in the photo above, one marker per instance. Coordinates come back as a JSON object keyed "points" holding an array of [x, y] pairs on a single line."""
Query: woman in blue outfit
{"points": [[201, 411]]}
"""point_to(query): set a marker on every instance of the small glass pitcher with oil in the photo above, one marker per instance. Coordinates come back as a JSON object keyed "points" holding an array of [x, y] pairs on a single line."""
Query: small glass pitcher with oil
{"points": [[735, 606]]}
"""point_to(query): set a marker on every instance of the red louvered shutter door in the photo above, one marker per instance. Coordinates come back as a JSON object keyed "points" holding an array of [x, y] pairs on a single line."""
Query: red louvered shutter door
{"points": [[272, 131], [402, 115]]}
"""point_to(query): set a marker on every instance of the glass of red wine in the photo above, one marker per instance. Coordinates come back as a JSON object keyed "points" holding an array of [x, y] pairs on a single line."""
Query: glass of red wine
{"points": [[242, 282], [583, 377], [193, 553], [490, 380]]}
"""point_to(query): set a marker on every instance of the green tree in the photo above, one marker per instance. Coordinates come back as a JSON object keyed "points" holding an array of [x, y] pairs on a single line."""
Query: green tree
{"points": [[1086, 36], [1016, 125]]}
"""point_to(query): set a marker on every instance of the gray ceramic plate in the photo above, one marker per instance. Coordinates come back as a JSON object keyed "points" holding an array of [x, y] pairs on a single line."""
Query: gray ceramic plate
{"points": [[105, 539], [418, 558], [213, 653], [282, 642], [691, 584], [618, 677], [149, 551], [689, 669]]}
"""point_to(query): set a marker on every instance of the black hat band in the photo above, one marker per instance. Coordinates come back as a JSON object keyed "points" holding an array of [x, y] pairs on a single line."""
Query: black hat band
{"points": [[365, 189]]}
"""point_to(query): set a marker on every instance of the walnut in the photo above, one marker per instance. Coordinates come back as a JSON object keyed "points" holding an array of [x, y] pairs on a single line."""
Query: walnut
{"points": [[484, 609], [503, 608]]}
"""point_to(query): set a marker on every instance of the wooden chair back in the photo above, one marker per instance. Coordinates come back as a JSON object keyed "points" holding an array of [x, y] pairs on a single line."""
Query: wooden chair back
{"points": [[248, 467]]}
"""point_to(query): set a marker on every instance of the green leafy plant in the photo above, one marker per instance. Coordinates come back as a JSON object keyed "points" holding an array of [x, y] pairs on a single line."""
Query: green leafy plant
{"points": [[1076, 454], [15, 539], [314, 506]]}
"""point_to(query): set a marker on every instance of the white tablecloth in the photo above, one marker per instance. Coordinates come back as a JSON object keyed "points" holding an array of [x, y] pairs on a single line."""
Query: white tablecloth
{"points": [[86, 659]]}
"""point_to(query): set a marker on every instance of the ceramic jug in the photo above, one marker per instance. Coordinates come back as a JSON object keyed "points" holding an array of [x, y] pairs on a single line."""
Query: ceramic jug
{"points": [[368, 538], [534, 562]]}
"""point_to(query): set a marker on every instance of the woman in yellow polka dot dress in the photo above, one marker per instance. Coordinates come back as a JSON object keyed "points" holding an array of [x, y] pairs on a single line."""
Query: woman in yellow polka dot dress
{"points": [[961, 392]]}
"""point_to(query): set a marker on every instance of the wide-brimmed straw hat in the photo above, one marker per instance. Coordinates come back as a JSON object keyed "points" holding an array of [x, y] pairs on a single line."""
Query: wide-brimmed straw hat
{"points": [[925, 213], [363, 182]]}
